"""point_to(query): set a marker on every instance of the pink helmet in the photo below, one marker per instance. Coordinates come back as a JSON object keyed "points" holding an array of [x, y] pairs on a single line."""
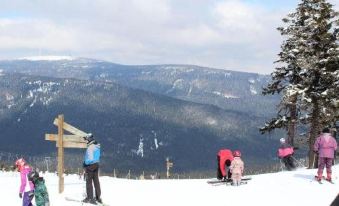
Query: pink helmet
{"points": [[20, 163], [237, 153]]}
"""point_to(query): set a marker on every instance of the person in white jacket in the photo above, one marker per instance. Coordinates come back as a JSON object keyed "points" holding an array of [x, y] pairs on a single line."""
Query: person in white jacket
{"points": [[237, 168]]}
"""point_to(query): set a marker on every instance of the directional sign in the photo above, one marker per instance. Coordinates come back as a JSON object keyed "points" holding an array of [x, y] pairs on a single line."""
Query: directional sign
{"points": [[70, 128]]}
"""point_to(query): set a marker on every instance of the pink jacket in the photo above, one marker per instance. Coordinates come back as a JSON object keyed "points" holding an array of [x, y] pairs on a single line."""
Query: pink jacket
{"points": [[325, 144], [24, 187], [285, 150]]}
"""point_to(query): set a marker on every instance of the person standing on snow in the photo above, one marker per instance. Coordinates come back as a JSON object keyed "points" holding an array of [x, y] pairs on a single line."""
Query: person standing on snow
{"points": [[285, 152], [40, 190], [224, 158], [91, 165], [237, 168], [325, 145], [26, 191]]}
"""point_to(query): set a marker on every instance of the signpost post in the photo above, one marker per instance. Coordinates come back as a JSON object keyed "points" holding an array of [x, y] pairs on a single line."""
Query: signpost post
{"points": [[168, 166]]}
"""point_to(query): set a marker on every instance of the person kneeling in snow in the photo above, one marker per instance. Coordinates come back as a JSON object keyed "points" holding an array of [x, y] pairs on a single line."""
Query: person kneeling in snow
{"points": [[237, 168], [224, 158], [285, 152], [40, 190]]}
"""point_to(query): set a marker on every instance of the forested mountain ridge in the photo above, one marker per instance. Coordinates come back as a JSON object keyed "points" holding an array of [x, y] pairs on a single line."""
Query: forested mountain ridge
{"points": [[230, 90], [137, 129]]}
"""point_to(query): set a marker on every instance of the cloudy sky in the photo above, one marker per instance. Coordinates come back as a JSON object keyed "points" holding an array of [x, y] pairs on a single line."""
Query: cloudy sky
{"points": [[225, 34]]}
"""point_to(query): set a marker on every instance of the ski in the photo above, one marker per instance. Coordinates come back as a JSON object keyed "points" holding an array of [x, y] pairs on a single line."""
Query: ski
{"points": [[330, 181], [324, 178], [84, 203], [227, 180], [228, 183], [316, 178]]}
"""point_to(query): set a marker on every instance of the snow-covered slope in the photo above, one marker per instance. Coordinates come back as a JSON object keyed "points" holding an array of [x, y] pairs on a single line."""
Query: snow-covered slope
{"points": [[295, 188]]}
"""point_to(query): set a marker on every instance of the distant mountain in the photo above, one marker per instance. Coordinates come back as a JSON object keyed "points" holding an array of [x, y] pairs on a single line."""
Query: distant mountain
{"points": [[237, 91], [137, 129]]}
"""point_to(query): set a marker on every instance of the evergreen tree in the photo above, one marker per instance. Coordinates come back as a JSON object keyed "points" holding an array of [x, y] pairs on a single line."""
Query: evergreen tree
{"points": [[309, 78]]}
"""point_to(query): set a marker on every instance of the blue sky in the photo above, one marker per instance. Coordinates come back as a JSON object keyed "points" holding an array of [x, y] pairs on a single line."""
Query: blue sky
{"points": [[225, 34]]}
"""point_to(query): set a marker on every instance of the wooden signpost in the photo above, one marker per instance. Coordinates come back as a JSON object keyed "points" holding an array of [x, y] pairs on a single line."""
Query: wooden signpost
{"points": [[74, 140], [168, 166]]}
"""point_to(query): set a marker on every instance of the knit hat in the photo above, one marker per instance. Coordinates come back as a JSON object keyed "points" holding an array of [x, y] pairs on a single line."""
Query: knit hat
{"points": [[33, 175], [89, 138], [20, 163], [237, 153]]}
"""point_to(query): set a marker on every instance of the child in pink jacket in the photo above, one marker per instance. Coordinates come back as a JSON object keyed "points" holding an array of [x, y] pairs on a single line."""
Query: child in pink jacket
{"points": [[325, 145], [285, 152], [237, 168], [26, 191]]}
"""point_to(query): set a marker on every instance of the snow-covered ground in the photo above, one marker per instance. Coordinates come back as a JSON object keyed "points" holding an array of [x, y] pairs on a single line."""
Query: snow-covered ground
{"points": [[295, 188]]}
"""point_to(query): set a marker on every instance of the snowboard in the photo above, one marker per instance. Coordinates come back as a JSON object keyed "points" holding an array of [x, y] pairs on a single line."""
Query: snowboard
{"points": [[83, 203]]}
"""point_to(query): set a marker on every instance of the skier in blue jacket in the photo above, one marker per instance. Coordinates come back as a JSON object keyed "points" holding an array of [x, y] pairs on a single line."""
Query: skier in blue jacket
{"points": [[91, 165]]}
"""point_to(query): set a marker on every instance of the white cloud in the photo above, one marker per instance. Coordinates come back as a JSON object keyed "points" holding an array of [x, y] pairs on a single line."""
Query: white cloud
{"points": [[228, 34]]}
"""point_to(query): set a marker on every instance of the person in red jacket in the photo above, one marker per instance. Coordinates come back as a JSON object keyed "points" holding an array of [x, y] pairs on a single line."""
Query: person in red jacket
{"points": [[224, 158]]}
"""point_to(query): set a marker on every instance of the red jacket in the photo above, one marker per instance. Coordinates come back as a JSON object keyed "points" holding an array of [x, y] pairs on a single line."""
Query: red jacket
{"points": [[224, 154]]}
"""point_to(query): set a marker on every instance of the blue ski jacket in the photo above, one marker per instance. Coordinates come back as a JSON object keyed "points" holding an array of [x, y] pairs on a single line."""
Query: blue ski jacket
{"points": [[92, 154]]}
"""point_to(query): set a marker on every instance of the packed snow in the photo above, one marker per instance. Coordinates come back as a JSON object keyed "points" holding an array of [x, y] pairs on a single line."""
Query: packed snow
{"points": [[294, 188]]}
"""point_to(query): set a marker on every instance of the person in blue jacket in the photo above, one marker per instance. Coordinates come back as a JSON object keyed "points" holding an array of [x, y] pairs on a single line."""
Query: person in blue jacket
{"points": [[91, 166]]}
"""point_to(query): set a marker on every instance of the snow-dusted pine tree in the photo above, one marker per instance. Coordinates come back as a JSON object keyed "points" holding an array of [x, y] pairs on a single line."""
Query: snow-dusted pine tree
{"points": [[310, 74]]}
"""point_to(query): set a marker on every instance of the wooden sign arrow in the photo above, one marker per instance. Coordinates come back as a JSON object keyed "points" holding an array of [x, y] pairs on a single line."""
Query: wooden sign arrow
{"points": [[70, 128], [66, 138]]}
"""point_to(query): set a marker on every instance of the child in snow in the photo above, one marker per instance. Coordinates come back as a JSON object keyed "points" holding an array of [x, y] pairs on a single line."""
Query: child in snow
{"points": [[285, 152], [40, 190], [26, 191], [237, 168], [325, 145], [224, 158]]}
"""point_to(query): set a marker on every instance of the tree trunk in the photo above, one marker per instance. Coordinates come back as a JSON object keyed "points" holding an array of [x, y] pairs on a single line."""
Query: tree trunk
{"points": [[293, 120], [314, 132]]}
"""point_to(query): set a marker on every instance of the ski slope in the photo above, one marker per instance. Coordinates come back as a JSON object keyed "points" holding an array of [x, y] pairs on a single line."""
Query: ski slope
{"points": [[295, 188]]}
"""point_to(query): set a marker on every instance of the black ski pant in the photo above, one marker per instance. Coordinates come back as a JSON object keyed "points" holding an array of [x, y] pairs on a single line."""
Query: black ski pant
{"points": [[219, 174], [289, 163], [92, 176]]}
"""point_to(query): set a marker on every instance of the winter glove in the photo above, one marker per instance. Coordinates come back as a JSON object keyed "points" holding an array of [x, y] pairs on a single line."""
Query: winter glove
{"points": [[316, 152], [20, 195], [31, 194]]}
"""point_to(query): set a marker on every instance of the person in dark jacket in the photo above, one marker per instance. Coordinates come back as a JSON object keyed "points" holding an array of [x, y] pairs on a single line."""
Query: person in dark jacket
{"points": [[224, 159], [91, 165], [285, 152], [40, 189]]}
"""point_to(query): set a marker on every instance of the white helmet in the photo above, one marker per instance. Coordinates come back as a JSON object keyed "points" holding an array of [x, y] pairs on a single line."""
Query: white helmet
{"points": [[282, 140]]}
